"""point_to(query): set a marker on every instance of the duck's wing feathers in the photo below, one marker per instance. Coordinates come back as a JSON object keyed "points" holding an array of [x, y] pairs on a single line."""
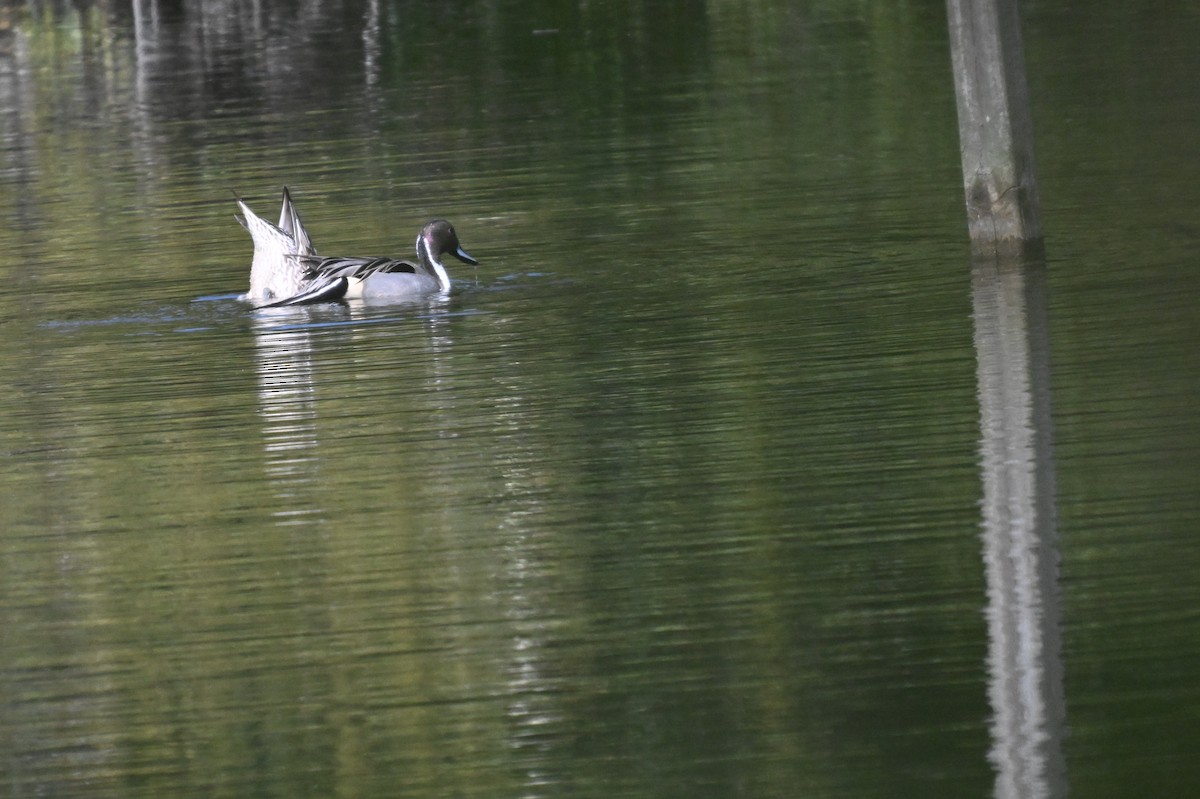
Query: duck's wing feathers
{"points": [[318, 268], [330, 290]]}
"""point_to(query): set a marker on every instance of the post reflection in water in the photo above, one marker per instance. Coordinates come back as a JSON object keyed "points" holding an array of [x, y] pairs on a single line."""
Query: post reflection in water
{"points": [[1019, 529]]}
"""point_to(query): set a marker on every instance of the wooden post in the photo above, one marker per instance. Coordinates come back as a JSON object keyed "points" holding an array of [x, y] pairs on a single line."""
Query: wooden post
{"points": [[994, 126]]}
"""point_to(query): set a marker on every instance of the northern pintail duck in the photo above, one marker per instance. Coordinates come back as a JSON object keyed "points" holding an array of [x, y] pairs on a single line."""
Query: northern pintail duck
{"points": [[289, 260], [275, 272], [337, 278]]}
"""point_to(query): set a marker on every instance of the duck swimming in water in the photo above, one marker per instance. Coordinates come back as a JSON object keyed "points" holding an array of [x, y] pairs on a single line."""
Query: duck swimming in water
{"points": [[287, 270], [337, 278]]}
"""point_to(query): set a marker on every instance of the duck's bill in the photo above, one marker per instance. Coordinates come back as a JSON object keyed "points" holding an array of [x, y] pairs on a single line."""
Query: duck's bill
{"points": [[461, 255]]}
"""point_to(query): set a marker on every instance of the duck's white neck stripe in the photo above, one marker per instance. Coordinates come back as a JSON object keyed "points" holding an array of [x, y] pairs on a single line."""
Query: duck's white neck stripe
{"points": [[442, 275], [426, 257]]}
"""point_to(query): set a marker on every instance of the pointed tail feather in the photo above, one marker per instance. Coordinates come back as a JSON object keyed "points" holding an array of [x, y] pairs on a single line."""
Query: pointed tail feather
{"points": [[290, 223]]}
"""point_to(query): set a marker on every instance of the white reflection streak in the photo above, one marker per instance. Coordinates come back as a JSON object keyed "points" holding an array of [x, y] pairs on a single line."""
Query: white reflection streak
{"points": [[1019, 531], [286, 403], [145, 51], [534, 714], [371, 46], [531, 711]]}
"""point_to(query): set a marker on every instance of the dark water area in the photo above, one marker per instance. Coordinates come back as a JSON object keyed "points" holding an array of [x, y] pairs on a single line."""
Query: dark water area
{"points": [[725, 473]]}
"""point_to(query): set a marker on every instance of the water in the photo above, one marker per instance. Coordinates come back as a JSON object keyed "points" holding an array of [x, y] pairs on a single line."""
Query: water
{"points": [[681, 492]]}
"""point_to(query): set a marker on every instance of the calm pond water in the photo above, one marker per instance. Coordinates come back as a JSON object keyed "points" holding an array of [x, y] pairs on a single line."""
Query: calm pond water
{"points": [[726, 473]]}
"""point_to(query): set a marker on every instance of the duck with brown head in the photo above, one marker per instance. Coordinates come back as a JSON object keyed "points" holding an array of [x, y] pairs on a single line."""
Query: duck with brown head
{"points": [[287, 270], [388, 279]]}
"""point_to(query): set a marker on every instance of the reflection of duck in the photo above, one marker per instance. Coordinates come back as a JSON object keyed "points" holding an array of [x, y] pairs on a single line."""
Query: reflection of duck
{"points": [[287, 408], [275, 272], [381, 278]]}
